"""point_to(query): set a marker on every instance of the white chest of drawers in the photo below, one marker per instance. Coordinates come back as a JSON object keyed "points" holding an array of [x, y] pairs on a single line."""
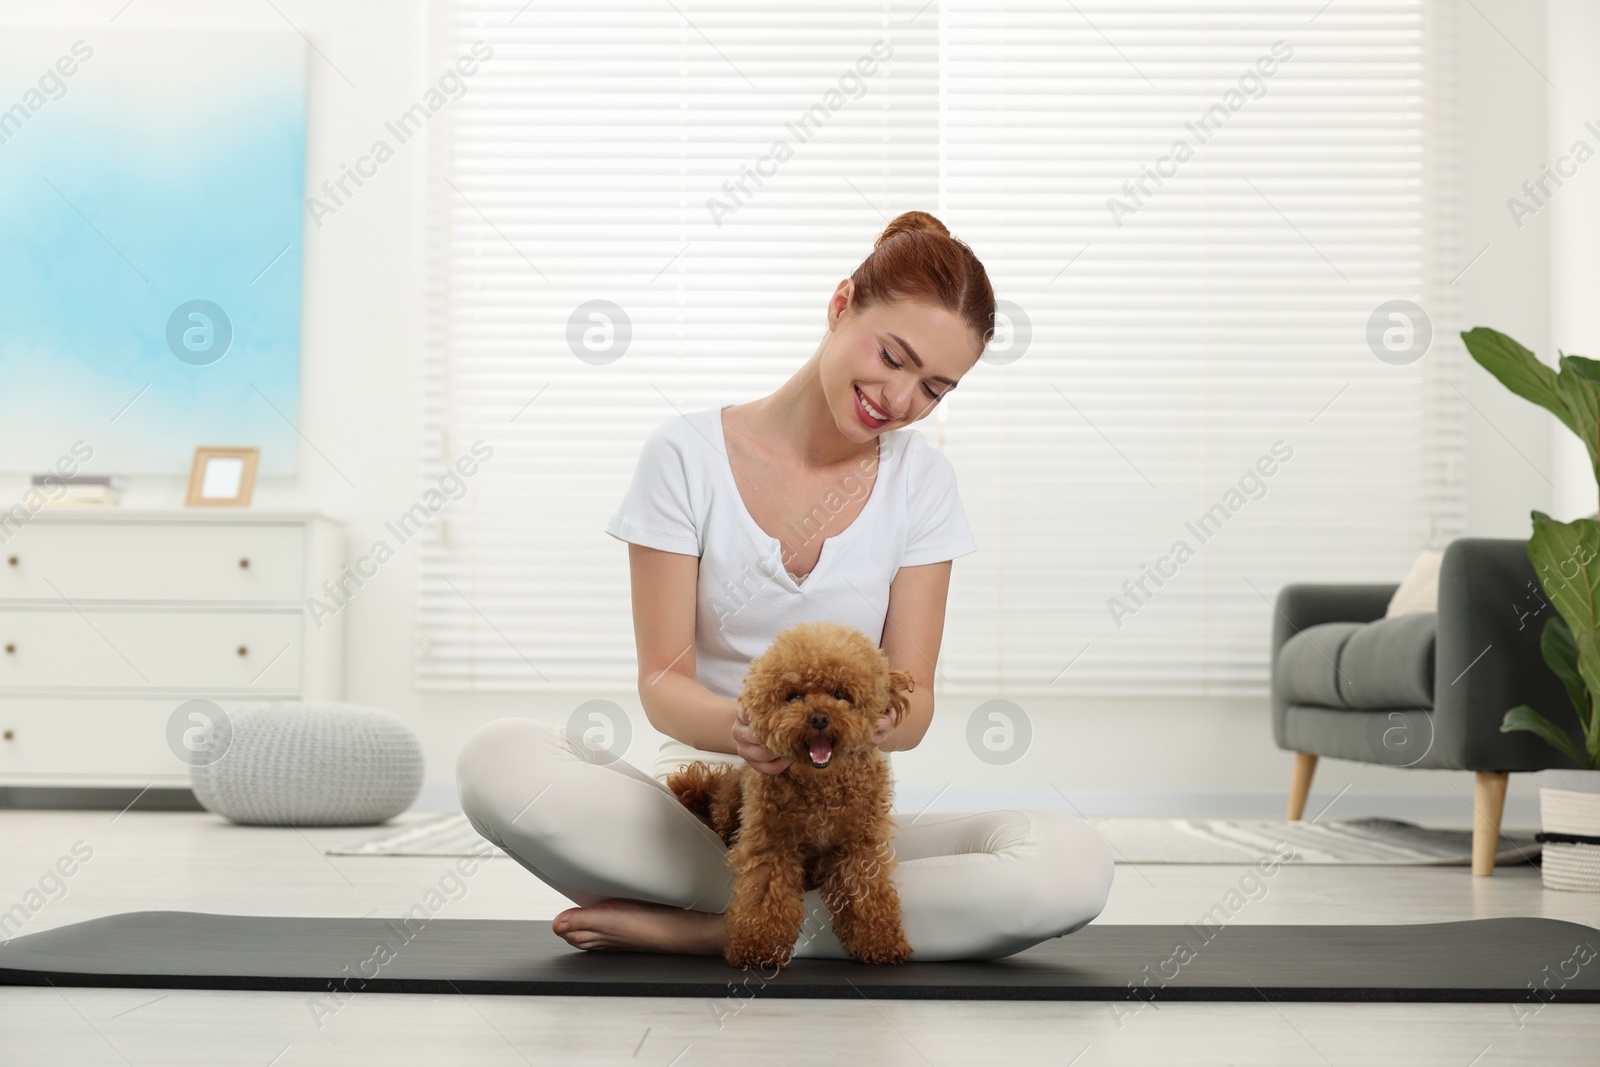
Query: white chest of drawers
{"points": [[112, 618]]}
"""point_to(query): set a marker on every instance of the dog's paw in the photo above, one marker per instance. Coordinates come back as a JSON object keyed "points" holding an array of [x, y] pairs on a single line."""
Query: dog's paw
{"points": [[754, 955], [897, 950]]}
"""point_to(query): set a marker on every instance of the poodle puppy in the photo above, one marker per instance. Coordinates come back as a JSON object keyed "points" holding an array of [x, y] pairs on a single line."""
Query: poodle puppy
{"points": [[815, 695]]}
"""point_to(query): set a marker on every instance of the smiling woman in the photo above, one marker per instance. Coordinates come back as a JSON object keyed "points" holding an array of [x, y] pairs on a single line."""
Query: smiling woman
{"points": [[757, 486], [740, 504]]}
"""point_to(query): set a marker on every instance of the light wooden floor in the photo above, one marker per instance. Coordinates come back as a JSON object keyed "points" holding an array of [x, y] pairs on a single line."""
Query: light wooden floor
{"points": [[198, 862]]}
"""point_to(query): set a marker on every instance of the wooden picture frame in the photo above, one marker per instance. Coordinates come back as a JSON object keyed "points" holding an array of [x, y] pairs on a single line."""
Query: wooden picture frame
{"points": [[222, 477]]}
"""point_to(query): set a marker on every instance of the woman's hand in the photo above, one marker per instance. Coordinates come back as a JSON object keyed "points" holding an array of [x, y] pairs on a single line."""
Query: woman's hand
{"points": [[746, 744], [885, 725]]}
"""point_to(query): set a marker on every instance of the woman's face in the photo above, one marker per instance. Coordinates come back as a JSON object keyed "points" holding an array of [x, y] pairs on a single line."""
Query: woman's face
{"points": [[874, 353]]}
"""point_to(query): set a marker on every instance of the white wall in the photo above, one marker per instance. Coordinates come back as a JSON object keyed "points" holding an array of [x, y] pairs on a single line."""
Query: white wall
{"points": [[360, 407]]}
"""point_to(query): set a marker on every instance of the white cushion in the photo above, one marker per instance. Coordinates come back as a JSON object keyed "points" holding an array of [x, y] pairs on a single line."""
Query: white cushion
{"points": [[330, 764], [1419, 590]]}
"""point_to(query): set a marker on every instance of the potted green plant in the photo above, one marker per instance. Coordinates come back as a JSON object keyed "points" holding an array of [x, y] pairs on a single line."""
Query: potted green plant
{"points": [[1566, 557]]}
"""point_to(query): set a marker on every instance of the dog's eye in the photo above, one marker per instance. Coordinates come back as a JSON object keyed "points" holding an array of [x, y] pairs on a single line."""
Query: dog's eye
{"points": [[794, 696], [840, 694]]}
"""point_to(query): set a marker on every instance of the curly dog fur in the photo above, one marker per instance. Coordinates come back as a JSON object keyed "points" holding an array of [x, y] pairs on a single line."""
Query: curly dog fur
{"points": [[815, 695]]}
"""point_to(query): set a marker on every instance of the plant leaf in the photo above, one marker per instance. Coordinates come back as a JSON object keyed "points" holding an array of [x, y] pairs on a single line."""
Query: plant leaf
{"points": [[1561, 653], [1519, 370], [1561, 554], [1583, 366], [1564, 557], [1581, 391], [1523, 717]]}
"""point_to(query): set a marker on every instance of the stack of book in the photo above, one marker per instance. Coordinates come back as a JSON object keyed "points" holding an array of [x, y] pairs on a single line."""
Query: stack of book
{"points": [[79, 490]]}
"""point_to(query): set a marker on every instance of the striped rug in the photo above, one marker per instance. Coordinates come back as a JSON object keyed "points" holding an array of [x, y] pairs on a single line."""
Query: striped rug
{"points": [[1366, 842], [1373, 842]]}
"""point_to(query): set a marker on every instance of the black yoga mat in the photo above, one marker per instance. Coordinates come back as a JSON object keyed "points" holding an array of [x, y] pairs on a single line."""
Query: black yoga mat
{"points": [[1513, 960]]}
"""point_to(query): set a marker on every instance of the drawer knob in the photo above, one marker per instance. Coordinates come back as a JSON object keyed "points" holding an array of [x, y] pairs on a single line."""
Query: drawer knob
{"points": [[12, 560], [244, 564], [243, 651], [10, 647], [9, 735]]}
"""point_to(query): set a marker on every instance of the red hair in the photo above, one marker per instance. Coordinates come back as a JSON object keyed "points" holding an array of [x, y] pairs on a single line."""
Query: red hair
{"points": [[915, 258]]}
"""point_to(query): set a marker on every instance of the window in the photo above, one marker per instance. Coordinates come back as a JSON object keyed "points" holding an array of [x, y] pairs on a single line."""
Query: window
{"points": [[1199, 223]]}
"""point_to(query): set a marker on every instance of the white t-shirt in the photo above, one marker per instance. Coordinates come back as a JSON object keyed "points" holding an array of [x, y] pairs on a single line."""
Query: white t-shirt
{"points": [[683, 499]]}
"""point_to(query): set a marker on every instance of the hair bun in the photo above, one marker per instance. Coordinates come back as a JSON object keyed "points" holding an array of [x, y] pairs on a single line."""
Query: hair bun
{"points": [[908, 221]]}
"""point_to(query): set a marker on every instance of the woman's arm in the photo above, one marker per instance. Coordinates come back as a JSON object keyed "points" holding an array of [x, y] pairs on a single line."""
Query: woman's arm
{"points": [[663, 630], [912, 632], [679, 706]]}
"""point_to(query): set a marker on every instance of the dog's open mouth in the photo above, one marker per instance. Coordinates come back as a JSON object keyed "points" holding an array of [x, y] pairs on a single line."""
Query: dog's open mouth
{"points": [[820, 748]]}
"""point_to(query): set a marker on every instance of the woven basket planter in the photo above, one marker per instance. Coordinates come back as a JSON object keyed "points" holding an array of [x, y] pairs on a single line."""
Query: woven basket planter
{"points": [[1570, 865]]}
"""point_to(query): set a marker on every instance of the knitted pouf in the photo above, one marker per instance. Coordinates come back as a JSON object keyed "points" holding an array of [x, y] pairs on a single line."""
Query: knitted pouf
{"points": [[311, 765]]}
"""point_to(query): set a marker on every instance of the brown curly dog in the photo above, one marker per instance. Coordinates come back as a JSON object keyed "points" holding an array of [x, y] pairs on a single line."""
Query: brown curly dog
{"points": [[815, 695]]}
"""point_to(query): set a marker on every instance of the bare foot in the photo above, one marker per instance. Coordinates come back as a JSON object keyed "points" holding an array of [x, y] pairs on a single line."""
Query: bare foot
{"points": [[638, 926]]}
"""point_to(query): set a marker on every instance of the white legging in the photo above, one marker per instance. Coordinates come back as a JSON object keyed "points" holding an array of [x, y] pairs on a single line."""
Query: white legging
{"points": [[971, 886]]}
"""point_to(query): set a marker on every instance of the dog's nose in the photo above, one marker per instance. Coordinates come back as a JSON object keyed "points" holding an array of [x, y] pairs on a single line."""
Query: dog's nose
{"points": [[819, 721]]}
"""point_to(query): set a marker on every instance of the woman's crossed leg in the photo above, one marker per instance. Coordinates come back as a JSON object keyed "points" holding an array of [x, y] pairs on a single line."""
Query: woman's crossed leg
{"points": [[971, 886]]}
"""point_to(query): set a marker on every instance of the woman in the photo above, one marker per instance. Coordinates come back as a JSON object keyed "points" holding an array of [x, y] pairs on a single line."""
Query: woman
{"points": [[816, 502]]}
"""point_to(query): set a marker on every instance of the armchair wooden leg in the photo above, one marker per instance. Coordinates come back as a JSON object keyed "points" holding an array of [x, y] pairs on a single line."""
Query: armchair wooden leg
{"points": [[1305, 765], [1488, 802]]}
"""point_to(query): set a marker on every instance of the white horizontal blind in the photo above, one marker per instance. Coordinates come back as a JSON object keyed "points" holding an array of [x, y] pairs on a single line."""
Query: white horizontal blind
{"points": [[579, 168], [1227, 311]]}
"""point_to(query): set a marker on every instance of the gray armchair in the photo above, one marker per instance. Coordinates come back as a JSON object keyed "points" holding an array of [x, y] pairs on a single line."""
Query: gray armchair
{"points": [[1424, 691]]}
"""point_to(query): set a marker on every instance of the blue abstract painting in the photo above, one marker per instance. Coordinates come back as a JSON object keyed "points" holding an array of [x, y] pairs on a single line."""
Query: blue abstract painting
{"points": [[150, 245]]}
